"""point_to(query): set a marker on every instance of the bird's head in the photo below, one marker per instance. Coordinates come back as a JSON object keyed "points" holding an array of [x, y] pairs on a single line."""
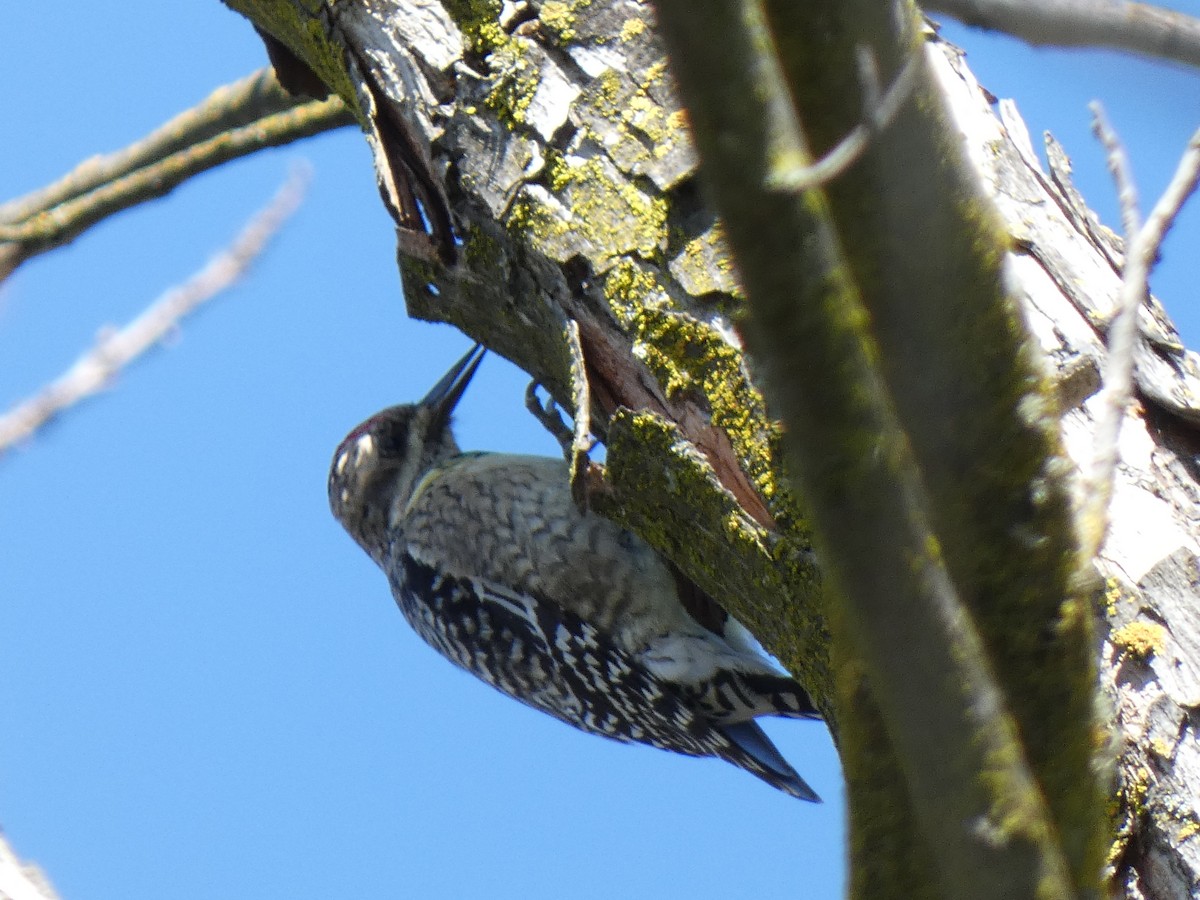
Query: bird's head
{"points": [[379, 464]]}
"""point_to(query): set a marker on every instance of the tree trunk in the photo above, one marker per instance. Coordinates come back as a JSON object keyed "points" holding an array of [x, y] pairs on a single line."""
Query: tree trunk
{"points": [[541, 174]]}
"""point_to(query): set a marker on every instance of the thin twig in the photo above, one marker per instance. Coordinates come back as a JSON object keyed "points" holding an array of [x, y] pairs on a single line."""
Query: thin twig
{"points": [[1182, 186], [92, 371], [878, 112], [1142, 242], [576, 440], [1140, 28]]}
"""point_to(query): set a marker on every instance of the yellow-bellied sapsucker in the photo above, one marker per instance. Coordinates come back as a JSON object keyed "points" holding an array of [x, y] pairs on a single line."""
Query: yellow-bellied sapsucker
{"points": [[494, 565]]}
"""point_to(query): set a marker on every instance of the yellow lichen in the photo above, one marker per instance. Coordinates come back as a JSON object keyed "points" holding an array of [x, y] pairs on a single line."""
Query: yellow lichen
{"points": [[607, 211], [559, 19], [630, 288], [479, 22], [515, 85], [1139, 639], [632, 28], [1126, 808], [1112, 596], [1161, 748], [654, 73], [644, 128]]}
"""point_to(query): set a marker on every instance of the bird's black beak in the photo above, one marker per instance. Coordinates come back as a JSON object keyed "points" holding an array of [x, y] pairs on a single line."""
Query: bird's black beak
{"points": [[444, 396]]}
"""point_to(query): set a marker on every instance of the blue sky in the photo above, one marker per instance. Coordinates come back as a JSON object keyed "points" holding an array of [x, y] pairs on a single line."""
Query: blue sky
{"points": [[206, 687]]}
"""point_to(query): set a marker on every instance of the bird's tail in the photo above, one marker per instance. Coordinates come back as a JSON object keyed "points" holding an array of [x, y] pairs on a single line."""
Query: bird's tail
{"points": [[761, 757]]}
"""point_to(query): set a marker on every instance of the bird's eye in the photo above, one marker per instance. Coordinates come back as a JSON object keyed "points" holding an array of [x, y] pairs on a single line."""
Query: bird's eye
{"points": [[392, 438]]}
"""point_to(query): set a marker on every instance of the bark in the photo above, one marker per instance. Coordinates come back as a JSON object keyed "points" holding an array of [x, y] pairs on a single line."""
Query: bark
{"points": [[1066, 266], [540, 174], [1142, 28]]}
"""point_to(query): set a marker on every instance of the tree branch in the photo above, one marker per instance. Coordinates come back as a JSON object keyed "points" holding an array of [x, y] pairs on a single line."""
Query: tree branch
{"points": [[878, 111], [976, 799], [234, 121], [1139, 28]]}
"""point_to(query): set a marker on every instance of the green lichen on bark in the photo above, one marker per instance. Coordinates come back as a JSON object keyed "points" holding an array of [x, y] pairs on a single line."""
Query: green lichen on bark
{"points": [[514, 77], [609, 211], [636, 129], [481, 251], [687, 355], [479, 22], [630, 286], [995, 471], [1126, 809], [516, 81], [299, 27], [704, 267], [882, 830], [593, 211], [558, 18], [666, 491]]}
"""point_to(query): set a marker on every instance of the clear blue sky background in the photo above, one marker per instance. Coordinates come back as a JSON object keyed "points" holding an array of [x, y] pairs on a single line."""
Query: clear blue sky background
{"points": [[205, 687]]}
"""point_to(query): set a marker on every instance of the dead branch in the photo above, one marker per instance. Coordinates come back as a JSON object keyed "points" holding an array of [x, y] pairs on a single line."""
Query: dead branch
{"points": [[1139, 28], [234, 121], [115, 350]]}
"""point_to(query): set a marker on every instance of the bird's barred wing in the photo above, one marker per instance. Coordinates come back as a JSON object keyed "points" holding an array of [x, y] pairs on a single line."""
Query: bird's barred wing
{"points": [[552, 660]]}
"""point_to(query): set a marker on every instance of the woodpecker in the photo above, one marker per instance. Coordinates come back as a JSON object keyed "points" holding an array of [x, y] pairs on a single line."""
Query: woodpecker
{"points": [[494, 565]]}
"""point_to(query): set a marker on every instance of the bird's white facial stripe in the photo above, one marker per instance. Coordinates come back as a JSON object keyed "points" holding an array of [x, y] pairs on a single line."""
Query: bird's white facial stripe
{"points": [[364, 449], [357, 457]]}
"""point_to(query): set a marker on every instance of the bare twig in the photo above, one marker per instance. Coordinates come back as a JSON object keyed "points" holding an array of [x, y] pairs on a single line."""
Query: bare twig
{"points": [[878, 111], [1142, 242], [92, 371], [234, 121], [1139, 28]]}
